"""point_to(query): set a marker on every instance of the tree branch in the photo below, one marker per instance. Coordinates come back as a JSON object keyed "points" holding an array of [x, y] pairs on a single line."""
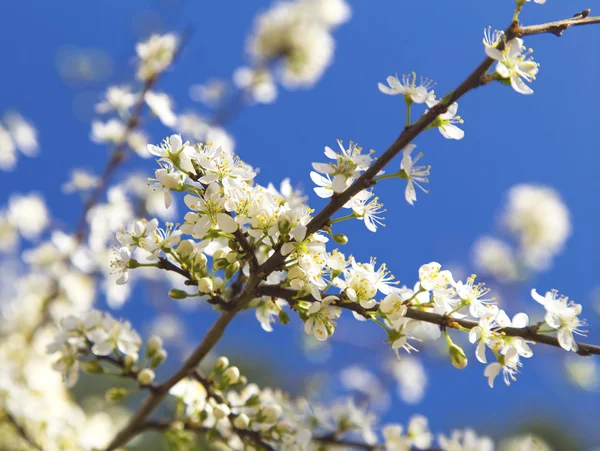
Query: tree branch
{"points": [[21, 431], [559, 26], [528, 333], [474, 80], [211, 338]]}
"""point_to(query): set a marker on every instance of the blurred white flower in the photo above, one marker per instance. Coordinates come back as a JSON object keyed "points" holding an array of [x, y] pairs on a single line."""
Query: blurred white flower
{"points": [[411, 378], [23, 133], [258, 84], [583, 372], [156, 54], [117, 98], [495, 257], [540, 220], [28, 213], [162, 106], [112, 131], [81, 180], [297, 36], [210, 93]]}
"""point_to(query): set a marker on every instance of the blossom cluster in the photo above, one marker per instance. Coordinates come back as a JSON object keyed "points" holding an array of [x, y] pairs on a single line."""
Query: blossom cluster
{"points": [[295, 38], [238, 414], [83, 343], [227, 210]]}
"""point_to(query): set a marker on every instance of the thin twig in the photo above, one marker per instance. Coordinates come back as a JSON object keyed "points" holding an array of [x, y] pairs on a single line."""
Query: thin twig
{"points": [[21, 430], [211, 338], [474, 80], [528, 333]]}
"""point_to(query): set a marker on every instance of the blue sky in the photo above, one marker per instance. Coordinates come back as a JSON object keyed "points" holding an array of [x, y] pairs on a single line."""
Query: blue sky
{"points": [[548, 138]]}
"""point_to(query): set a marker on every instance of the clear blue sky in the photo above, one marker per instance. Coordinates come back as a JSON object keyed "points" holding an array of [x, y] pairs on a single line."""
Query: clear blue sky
{"points": [[549, 138]]}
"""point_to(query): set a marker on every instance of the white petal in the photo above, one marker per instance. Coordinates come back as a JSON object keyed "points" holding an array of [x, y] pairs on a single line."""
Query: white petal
{"points": [[226, 223]]}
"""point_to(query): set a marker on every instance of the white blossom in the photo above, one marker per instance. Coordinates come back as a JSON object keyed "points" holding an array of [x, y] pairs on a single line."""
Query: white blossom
{"points": [[156, 54], [562, 315], [415, 174], [408, 87], [513, 65]]}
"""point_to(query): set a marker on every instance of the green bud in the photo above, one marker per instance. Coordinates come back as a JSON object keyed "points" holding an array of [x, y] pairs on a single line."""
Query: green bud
{"points": [[219, 254], [116, 394], [339, 238], [254, 400], [200, 260], [232, 269], [174, 293], [129, 361], [284, 226], [146, 376], [154, 344], [284, 318], [232, 257], [231, 375], [92, 367], [158, 358], [221, 364], [220, 263], [457, 355], [241, 421]]}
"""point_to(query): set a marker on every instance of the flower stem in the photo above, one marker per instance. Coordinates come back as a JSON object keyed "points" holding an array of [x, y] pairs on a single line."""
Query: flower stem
{"points": [[343, 218], [395, 175]]}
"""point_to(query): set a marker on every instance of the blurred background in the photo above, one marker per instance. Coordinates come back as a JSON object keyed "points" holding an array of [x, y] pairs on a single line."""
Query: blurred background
{"points": [[59, 58]]}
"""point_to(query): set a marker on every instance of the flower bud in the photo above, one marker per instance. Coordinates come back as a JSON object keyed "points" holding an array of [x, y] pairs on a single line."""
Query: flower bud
{"points": [[220, 263], [200, 260], [231, 375], [232, 269], [296, 273], [158, 358], [271, 413], [185, 248], [339, 238], [146, 376], [222, 364], [174, 293], [297, 284], [221, 411], [129, 362], [91, 367], [205, 285], [220, 254], [116, 394], [154, 344], [253, 401], [241, 421], [232, 257], [457, 356], [284, 318]]}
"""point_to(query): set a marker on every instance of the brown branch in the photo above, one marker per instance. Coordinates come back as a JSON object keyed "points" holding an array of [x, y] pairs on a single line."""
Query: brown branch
{"points": [[559, 26], [474, 80], [364, 181], [21, 431], [211, 338], [528, 333], [253, 436]]}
